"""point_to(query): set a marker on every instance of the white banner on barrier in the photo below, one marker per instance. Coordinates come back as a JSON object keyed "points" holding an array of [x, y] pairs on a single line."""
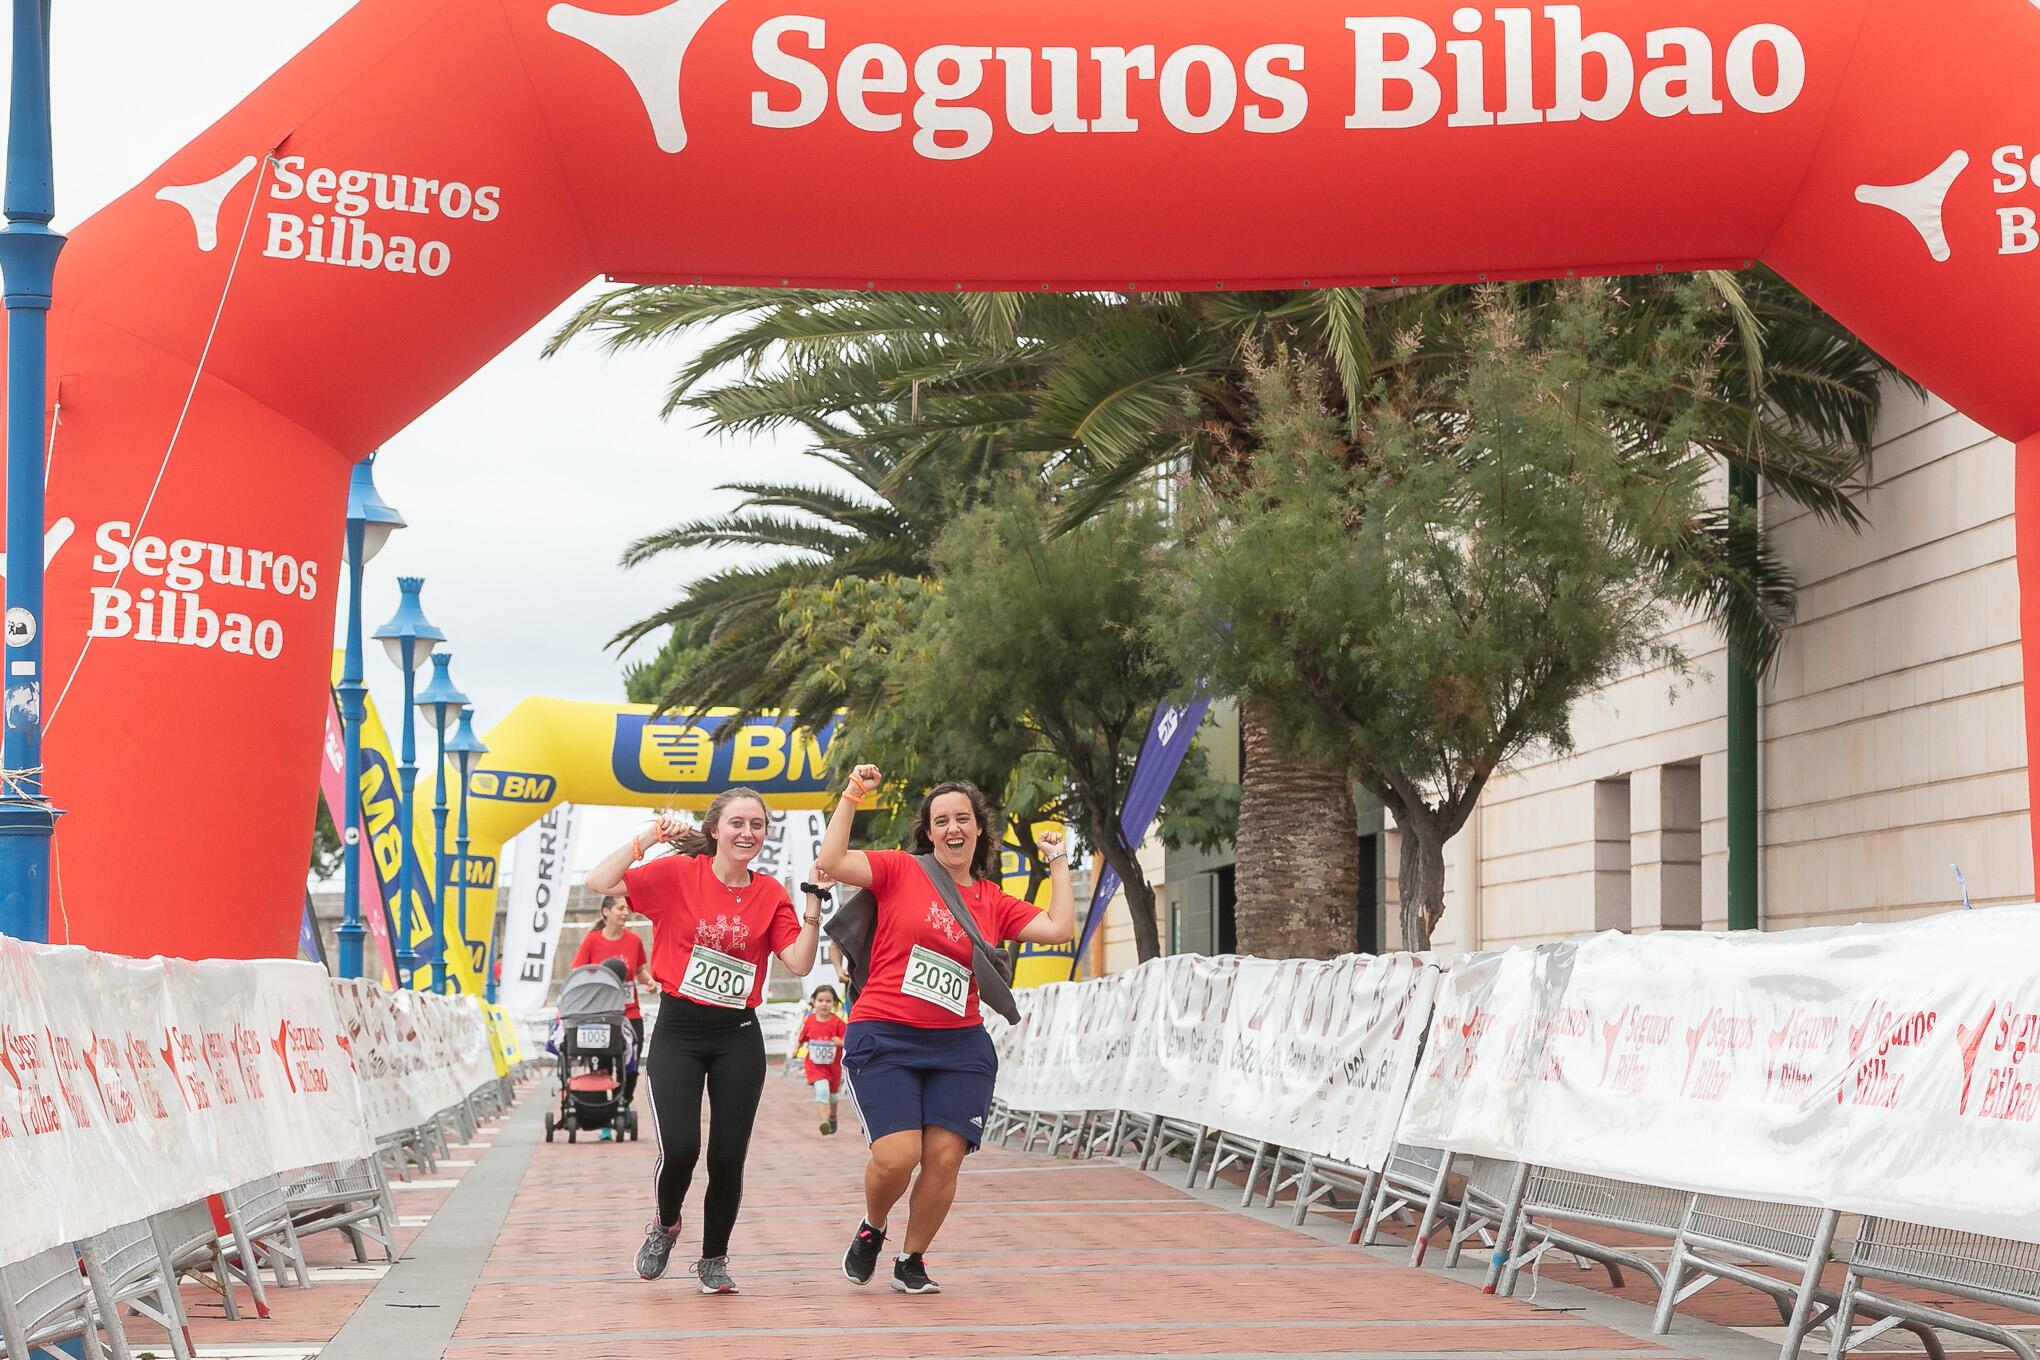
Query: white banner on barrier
{"points": [[415, 1053], [132, 1086], [1315, 1055], [1878, 1069], [537, 906]]}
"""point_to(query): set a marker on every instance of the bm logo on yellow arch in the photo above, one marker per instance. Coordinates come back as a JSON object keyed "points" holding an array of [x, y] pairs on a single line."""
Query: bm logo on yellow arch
{"points": [[671, 754]]}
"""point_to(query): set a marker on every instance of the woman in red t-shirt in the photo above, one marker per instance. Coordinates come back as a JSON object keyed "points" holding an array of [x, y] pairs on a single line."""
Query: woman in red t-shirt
{"points": [[917, 1056], [611, 940], [714, 926]]}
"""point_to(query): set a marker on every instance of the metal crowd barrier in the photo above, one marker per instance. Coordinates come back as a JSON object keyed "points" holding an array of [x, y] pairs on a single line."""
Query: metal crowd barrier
{"points": [[1989, 1270]]}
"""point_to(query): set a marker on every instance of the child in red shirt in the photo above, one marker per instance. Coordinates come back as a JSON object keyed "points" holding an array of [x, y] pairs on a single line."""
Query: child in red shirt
{"points": [[821, 1038]]}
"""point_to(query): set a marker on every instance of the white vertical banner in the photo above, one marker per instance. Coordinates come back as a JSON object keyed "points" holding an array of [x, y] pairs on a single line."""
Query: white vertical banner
{"points": [[537, 906]]}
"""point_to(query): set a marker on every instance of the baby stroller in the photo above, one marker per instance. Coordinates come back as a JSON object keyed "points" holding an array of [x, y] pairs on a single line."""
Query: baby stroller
{"points": [[596, 1048]]}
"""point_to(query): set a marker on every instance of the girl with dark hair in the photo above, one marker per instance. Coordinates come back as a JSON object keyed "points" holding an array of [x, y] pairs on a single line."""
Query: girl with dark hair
{"points": [[917, 1059], [714, 925]]}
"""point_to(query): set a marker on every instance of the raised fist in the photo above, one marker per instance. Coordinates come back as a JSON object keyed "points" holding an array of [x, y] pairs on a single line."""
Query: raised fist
{"points": [[1049, 843], [868, 776]]}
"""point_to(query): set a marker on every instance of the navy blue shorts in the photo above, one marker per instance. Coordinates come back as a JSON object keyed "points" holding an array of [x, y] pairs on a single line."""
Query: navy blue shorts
{"points": [[904, 1077]]}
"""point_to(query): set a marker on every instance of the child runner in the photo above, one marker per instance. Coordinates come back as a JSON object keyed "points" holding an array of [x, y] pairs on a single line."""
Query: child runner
{"points": [[714, 926], [919, 1062], [822, 1032]]}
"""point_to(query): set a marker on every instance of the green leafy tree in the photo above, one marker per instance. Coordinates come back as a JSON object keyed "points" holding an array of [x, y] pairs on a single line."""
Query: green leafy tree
{"points": [[648, 682], [1118, 396], [1431, 595], [325, 843], [1043, 641]]}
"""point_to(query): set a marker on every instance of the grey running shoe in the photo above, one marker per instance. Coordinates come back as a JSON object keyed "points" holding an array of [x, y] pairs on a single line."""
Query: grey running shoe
{"points": [[715, 1275], [910, 1276], [862, 1258], [651, 1257]]}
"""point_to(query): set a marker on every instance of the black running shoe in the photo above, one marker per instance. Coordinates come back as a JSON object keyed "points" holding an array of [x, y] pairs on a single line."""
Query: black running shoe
{"points": [[829, 1127], [909, 1276], [862, 1258], [651, 1257]]}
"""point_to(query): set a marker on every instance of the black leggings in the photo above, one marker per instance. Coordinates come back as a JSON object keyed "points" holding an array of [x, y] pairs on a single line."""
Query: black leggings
{"points": [[696, 1047]]}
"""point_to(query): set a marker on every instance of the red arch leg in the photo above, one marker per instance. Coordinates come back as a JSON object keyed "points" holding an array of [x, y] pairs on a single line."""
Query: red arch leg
{"points": [[2026, 519]]}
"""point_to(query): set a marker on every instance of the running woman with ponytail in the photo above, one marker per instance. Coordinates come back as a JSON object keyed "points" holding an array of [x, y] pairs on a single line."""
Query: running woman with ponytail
{"points": [[714, 924], [918, 1061]]}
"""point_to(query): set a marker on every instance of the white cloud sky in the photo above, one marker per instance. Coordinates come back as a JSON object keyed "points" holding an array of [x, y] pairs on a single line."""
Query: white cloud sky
{"points": [[523, 485]]}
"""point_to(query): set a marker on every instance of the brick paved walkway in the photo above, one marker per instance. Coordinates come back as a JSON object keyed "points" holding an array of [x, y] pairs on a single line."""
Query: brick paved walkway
{"points": [[1040, 1258]]}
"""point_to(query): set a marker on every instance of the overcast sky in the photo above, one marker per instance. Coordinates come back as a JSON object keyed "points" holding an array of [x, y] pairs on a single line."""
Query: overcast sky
{"points": [[523, 485]]}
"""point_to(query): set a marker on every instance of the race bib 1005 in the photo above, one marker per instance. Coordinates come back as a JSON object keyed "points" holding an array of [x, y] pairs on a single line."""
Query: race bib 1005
{"points": [[938, 979], [715, 979]]}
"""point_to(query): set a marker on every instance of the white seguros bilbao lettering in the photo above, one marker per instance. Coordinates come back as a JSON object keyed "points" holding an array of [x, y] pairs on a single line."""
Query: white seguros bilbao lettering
{"points": [[178, 611], [1404, 75], [341, 235]]}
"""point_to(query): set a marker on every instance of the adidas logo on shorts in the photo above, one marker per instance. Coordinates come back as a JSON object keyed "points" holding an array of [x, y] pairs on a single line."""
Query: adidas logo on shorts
{"points": [[979, 1121]]}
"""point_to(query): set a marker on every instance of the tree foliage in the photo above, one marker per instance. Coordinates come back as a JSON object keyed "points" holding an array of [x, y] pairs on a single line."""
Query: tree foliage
{"points": [[1431, 595]]}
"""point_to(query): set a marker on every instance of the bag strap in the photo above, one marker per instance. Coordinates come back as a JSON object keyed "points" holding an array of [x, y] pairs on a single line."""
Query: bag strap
{"points": [[946, 886]]}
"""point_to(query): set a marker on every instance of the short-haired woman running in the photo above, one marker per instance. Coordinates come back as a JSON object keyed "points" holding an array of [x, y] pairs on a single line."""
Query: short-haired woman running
{"points": [[919, 1063], [714, 924]]}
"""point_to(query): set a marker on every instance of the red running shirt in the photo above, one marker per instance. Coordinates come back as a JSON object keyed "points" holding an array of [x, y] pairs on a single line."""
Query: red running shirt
{"points": [[823, 1037], [629, 947], [709, 940], [920, 957]]}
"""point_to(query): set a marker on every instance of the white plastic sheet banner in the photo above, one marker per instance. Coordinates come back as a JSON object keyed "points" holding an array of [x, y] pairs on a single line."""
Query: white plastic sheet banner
{"points": [[1315, 1055], [132, 1086], [415, 1053], [1878, 1069], [544, 853]]}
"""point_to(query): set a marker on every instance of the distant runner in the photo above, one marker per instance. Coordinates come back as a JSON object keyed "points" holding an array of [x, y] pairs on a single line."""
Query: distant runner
{"points": [[822, 1033]]}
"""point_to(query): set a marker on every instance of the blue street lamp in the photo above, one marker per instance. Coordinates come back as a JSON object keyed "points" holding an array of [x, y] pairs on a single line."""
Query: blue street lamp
{"points": [[408, 637], [28, 260], [370, 522], [441, 704], [467, 751]]}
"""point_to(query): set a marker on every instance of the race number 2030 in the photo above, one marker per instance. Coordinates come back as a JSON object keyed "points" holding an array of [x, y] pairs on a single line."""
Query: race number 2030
{"points": [[716, 979], [937, 979]]}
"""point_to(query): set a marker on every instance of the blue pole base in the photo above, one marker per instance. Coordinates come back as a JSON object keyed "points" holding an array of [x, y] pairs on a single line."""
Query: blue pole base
{"points": [[25, 870]]}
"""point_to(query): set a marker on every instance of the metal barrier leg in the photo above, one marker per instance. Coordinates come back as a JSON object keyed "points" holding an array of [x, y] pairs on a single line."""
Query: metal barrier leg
{"points": [[1196, 1151], [1505, 1230], [1151, 1142], [1802, 1319], [1253, 1174], [1675, 1270], [1428, 1224]]}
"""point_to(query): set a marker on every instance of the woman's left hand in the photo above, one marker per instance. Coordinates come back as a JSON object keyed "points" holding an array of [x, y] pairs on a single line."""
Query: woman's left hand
{"points": [[1049, 843]]}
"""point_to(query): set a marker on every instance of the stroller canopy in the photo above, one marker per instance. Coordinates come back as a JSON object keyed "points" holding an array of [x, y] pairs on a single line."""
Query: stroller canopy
{"points": [[593, 991]]}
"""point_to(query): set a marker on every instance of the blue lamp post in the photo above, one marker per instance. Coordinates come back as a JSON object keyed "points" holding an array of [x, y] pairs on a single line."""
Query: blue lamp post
{"points": [[467, 751], [441, 704], [408, 637], [370, 522], [28, 259]]}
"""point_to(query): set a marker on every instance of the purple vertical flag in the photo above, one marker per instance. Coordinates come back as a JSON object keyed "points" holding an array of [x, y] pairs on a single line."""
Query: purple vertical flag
{"points": [[1170, 733]]}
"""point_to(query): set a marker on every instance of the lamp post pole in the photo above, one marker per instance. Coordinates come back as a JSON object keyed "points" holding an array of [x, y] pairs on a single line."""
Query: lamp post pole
{"points": [[28, 260], [401, 637], [353, 709], [440, 701], [468, 751]]}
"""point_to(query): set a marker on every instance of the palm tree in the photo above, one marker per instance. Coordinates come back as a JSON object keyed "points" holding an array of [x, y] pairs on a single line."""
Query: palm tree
{"points": [[1112, 393]]}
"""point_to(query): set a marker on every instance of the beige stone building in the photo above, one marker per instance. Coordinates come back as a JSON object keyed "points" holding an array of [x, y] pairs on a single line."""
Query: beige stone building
{"points": [[1891, 744]]}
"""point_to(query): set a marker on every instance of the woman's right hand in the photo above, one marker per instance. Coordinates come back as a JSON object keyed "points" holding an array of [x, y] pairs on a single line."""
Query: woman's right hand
{"points": [[867, 776], [666, 827]]}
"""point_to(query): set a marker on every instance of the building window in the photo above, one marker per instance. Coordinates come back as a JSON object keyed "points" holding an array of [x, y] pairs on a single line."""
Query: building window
{"points": [[1679, 853], [1612, 859]]}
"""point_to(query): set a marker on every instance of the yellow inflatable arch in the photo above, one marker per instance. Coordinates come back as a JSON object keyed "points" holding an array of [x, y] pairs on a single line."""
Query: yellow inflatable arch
{"points": [[549, 751]]}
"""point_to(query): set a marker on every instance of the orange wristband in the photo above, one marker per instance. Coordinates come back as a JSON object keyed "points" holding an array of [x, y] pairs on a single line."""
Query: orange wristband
{"points": [[637, 851]]}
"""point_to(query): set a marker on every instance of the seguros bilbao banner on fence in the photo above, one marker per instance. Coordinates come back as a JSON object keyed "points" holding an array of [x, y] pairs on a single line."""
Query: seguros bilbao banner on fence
{"points": [[1310, 1054], [1877, 1069], [131, 1086]]}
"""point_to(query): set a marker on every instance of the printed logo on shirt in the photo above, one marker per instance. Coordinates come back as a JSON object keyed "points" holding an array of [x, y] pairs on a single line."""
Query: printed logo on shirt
{"points": [[943, 922], [723, 934]]}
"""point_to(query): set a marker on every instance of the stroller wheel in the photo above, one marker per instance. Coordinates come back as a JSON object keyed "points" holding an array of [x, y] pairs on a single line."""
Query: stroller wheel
{"points": [[548, 1126], [570, 1133]]}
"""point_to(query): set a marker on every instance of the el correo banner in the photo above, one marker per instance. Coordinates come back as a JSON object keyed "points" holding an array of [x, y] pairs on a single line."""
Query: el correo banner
{"points": [[1877, 1069], [536, 908]]}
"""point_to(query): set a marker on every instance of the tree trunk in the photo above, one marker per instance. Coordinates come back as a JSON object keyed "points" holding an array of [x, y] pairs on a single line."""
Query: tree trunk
{"points": [[1421, 880], [1298, 876], [1140, 897]]}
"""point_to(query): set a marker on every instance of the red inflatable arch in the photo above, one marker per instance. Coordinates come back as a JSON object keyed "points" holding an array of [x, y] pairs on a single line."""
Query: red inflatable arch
{"points": [[424, 182]]}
